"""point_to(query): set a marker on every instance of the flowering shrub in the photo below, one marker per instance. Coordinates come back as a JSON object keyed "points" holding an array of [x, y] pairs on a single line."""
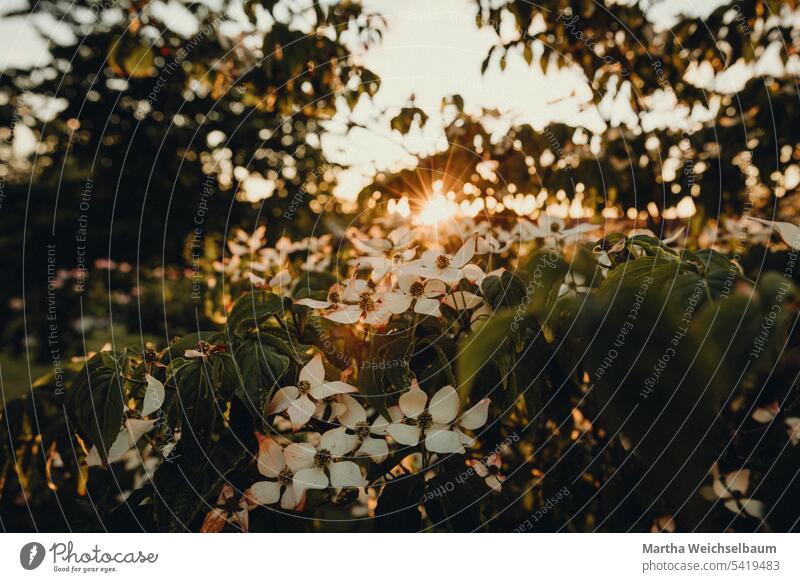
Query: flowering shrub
{"points": [[466, 376]]}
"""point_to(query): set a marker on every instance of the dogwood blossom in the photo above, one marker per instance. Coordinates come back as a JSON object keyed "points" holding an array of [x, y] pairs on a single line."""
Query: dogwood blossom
{"points": [[279, 478], [301, 401], [324, 465], [435, 422]]}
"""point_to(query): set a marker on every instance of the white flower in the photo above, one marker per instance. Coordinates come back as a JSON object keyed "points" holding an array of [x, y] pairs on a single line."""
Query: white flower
{"points": [[322, 466], [355, 419], [298, 399], [731, 489], [244, 244], [412, 289], [131, 432], [272, 464], [789, 232], [435, 422], [439, 265], [374, 308], [281, 280], [489, 471], [552, 230]]}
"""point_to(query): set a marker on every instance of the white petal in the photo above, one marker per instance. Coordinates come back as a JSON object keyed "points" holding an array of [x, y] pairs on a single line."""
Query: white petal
{"points": [[435, 288], [265, 492], [738, 481], [464, 254], [282, 399], [480, 469], [379, 426], [313, 372], [752, 507], [450, 275], [445, 405], [429, 259], [494, 483], [270, 457], [427, 306], [376, 449], [350, 314], [338, 441], [193, 354], [153, 396], [378, 318], [330, 388], [404, 434], [288, 500], [473, 273], [313, 478], [346, 474], [136, 428], [412, 403], [354, 412], [476, 416], [404, 282], [299, 456], [443, 441], [301, 411], [313, 303], [282, 279], [395, 302]]}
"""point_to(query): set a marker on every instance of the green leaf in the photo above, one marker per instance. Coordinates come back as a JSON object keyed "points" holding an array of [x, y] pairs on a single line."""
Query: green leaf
{"points": [[251, 310], [198, 408], [261, 366], [97, 400]]}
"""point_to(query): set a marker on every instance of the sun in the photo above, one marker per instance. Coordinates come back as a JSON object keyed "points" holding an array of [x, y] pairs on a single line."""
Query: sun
{"points": [[437, 209]]}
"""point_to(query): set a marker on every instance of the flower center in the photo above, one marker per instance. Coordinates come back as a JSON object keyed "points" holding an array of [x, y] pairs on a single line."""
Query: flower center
{"points": [[285, 476], [334, 297], [362, 429], [424, 420], [150, 354], [204, 347], [417, 289], [366, 302], [322, 458], [442, 262], [303, 386]]}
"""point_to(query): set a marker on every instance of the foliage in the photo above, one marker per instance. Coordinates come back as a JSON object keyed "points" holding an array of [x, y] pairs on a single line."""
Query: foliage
{"points": [[458, 378]]}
